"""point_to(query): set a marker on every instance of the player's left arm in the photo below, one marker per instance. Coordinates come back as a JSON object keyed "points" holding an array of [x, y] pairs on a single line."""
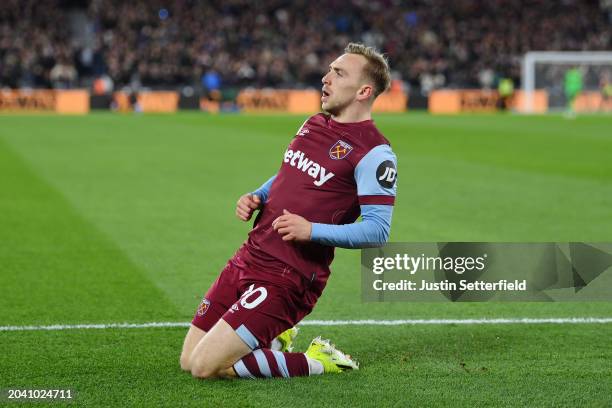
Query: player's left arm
{"points": [[376, 176], [372, 231]]}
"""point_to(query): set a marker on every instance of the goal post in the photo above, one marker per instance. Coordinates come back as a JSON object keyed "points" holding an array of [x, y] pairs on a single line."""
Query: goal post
{"points": [[545, 70]]}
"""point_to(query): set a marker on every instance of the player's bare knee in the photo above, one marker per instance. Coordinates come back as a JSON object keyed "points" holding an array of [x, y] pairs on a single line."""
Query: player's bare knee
{"points": [[185, 362], [193, 337], [204, 374], [204, 371]]}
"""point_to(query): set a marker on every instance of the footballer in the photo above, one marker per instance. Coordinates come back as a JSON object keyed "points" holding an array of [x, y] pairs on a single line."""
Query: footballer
{"points": [[337, 167]]}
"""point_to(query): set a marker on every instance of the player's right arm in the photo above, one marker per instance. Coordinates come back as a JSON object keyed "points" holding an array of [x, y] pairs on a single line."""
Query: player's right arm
{"points": [[248, 203]]}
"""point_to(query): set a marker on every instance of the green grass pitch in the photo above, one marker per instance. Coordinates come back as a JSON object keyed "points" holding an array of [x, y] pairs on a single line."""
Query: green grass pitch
{"points": [[119, 218]]}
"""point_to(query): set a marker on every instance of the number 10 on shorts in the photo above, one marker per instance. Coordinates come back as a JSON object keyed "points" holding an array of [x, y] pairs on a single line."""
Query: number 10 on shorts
{"points": [[253, 297]]}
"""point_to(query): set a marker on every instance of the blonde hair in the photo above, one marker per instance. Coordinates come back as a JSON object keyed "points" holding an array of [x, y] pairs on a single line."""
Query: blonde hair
{"points": [[377, 67]]}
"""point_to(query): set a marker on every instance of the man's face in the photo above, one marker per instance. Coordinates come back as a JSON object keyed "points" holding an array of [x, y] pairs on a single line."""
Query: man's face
{"points": [[342, 83]]}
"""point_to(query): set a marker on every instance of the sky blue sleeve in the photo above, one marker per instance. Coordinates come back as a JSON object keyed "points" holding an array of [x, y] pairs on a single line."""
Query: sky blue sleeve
{"points": [[372, 231], [376, 176], [263, 191]]}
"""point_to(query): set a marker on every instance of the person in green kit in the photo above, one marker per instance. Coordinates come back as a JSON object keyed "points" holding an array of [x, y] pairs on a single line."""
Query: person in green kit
{"points": [[573, 87], [505, 88], [605, 86]]}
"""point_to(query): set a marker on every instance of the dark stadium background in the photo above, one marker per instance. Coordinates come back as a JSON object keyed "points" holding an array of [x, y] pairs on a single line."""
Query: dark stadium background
{"points": [[202, 47]]}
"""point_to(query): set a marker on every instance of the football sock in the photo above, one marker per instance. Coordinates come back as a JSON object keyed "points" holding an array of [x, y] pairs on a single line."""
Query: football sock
{"points": [[266, 363], [315, 367], [275, 345]]}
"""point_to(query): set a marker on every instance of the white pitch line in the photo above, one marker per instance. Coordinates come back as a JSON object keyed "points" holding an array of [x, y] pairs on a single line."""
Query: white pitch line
{"points": [[525, 320], [94, 326]]}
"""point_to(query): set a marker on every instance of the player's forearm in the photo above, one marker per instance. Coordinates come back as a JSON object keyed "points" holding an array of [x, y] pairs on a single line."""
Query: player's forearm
{"points": [[372, 231], [263, 191]]}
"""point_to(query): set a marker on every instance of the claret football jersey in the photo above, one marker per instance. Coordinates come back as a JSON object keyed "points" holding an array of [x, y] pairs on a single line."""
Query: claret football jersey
{"points": [[328, 170]]}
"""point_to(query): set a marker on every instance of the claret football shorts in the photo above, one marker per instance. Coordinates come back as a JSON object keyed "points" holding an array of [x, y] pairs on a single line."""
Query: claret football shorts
{"points": [[257, 304]]}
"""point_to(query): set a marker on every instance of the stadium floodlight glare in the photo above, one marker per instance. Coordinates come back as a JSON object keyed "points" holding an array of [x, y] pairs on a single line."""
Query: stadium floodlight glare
{"points": [[545, 70]]}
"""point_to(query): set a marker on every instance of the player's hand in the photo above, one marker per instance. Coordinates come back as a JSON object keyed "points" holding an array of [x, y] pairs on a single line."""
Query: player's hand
{"points": [[292, 227], [246, 205]]}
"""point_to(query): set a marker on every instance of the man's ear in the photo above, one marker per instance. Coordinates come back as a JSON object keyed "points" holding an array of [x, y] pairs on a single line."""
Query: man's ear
{"points": [[365, 92]]}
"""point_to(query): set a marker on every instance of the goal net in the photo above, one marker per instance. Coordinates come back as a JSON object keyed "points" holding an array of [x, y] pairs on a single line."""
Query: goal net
{"points": [[544, 75]]}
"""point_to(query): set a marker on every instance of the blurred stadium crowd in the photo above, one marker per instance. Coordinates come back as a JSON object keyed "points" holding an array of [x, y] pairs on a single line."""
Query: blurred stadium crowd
{"points": [[234, 43]]}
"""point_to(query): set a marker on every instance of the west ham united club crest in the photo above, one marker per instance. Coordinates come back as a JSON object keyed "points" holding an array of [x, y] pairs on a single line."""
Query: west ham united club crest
{"points": [[203, 307], [340, 150]]}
